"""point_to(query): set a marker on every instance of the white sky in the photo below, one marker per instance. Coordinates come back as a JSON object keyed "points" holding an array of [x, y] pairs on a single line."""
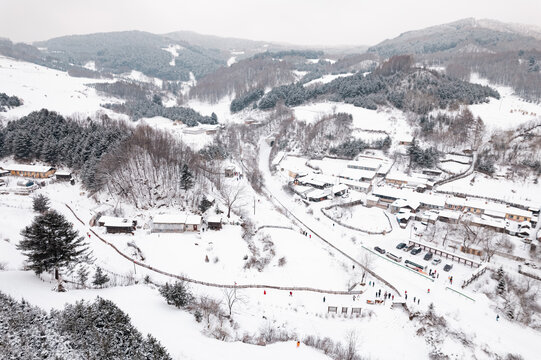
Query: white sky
{"points": [[309, 22]]}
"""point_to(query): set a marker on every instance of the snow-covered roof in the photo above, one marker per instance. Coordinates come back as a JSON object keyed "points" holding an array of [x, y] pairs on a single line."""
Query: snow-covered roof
{"points": [[339, 188], [115, 221], [448, 214], [400, 203], [214, 219], [356, 184], [193, 220], [62, 173], [404, 215], [365, 163], [31, 168], [318, 194], [357, 174], [169, 219], [492, 207], [399, 176]]}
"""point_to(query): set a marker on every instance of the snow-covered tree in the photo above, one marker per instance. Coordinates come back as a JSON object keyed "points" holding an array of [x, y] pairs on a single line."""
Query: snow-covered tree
{"points": [[51, 243], [186, 178], [100, 278], [40, 203], [176, 294]]}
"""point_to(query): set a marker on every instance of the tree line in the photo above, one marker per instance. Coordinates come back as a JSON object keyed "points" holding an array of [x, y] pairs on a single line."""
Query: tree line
{"points": [[7, 102]]}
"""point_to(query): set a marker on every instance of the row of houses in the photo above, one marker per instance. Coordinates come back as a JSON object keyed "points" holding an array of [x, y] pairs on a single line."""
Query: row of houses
{"points": [[396, 199], [165, 223]]}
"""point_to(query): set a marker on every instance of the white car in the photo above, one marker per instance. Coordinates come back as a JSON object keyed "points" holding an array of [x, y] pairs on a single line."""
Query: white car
{"points": [[436, 261]]}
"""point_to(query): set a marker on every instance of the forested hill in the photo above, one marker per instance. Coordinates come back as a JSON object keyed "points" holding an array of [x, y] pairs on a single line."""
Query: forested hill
{"points": [[119, 52], [462, 36], [395, 83]]}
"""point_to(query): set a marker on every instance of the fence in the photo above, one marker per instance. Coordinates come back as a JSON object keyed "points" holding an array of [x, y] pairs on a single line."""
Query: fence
{"points": [[210, 284], [447, 255], [475, 276], [357, 202], [528, 274]]}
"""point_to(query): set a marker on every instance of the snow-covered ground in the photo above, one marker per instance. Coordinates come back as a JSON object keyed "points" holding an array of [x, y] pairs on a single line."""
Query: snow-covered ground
{"points": [[326, 79], [173, 50], [514, 191], [40, 87], [507, 112], [361, 217]]}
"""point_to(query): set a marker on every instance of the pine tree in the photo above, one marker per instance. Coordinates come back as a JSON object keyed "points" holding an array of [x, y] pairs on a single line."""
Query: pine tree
{"points": [[186, 180], [51, 243], [204, 205], [176, 294], [499, 273], [100, 278], [214, 119], [40, 203], [501, 286], [82, 275]]}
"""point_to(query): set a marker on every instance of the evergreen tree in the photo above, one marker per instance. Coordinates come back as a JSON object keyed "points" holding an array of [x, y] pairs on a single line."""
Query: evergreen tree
{"points": [[40, 203], [501, 286], [51, 243], [186, 180], [499, 273], [204, 205], [176, 294], [214, 118], [100, 278], [82, 275]]}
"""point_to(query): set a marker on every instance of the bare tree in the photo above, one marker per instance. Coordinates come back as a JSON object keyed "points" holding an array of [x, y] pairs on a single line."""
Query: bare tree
{"points": [[232, 195], [231, 298], [366, 261]]}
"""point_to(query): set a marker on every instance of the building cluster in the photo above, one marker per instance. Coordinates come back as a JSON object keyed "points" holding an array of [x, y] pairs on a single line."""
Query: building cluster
{"points": [[163, 223], [431, 207]]}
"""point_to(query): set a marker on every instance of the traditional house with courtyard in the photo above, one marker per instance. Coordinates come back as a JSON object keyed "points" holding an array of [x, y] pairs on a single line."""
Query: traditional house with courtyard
{"points": [[168, 223]]}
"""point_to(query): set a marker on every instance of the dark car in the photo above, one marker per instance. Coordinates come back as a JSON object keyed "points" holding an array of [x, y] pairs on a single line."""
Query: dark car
{"points": [[380, 250], [447, 267], [415, 251], [409, 248], [401, 246], [428, 256]]}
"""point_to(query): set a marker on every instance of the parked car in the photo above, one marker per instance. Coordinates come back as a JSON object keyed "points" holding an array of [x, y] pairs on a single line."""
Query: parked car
{"points": [[428, 256], [447, 267], [436, 261], [409, 248], [401, 246], [380, 250], [415, 251]]}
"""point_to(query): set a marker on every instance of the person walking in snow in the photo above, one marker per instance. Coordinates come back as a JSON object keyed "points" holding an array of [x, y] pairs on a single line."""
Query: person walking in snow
{"points": [[497, 317], [291, 293], [393, 298], [414, 299], [428, 291], [418, 301], [323, 298]]}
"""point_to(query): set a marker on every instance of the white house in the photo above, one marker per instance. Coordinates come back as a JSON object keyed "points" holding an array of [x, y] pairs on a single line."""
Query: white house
{"points": [[193, 223], [168, 223]]}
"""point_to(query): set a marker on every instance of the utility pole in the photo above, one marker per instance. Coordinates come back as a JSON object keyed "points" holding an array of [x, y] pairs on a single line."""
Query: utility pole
{"points": [[254, 205]]}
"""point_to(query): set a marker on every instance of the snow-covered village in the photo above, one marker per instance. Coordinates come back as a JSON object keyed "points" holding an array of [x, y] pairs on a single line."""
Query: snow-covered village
{"points": [[166, 194]]}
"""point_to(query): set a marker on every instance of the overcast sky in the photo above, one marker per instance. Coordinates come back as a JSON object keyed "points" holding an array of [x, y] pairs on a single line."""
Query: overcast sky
{"points": [[309, 22]]}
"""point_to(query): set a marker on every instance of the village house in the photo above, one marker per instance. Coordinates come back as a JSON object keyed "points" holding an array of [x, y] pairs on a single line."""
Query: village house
{"points": [[214, 222], [4, 173], [118, 225], [168, 223], [405, 140], [364, 187], [317, 195], [104, 219], [480, 206], [193, 223], [402, 205], [230, 170], [34, 171], [362, 163], [357, 175]]}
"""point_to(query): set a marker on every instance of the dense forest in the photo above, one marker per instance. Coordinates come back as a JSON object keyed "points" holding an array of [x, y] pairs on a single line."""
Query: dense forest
{"points": [[7, 102], [45, 135], [84, 330], [395, 82]]}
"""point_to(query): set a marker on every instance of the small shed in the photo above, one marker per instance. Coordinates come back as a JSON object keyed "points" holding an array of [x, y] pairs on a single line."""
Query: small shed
{"points": [[63, 175], [214, 222], [4, 173], [193, 223]]}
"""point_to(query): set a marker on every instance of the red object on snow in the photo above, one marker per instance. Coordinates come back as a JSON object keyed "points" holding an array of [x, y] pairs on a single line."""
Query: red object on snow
{"points": [[264, 292]]}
